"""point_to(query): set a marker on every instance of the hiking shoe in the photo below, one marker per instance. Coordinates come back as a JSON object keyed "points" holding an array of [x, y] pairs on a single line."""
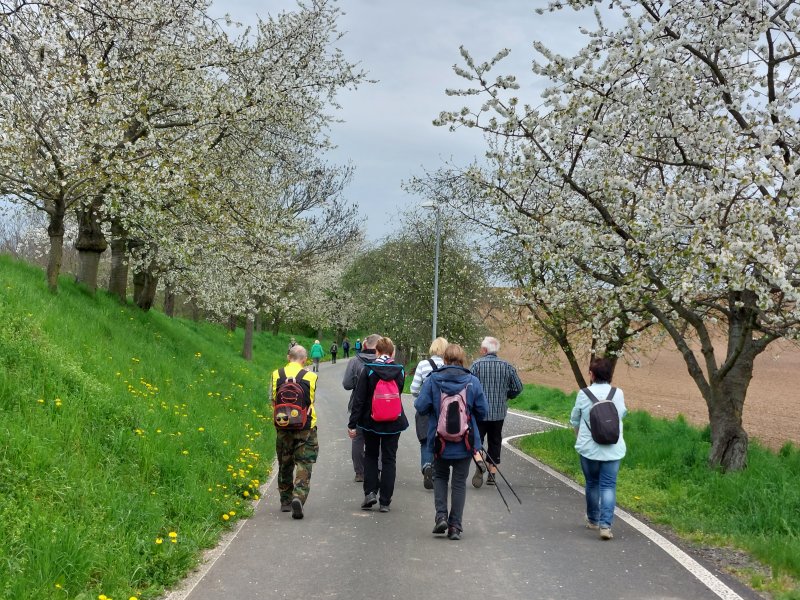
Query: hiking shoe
{"points": [[441, 525], [477, 479], [590, 525], [453, 533], [286, 507], [605, 533], [358, 478], [490, 479], [369, 501], [427, 477], [297, 508], [384, 508]]}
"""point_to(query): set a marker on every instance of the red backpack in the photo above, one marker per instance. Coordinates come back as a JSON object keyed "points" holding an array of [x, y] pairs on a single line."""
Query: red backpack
{"points": [[386, 402], [292, 402]]}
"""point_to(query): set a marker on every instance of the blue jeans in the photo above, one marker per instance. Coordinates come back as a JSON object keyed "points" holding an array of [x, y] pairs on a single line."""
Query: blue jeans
{"points": [[425, 455], [601, 490]]}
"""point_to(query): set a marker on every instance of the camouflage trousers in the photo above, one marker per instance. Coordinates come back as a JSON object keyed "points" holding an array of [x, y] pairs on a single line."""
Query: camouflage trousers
{"points": [[297, 452]]}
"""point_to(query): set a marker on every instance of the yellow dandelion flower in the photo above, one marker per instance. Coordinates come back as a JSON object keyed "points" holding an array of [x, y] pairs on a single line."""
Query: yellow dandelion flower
{"points": [[246, 494], [159, 541], [232, 513], [58, 586], [185, 452], [173, 534], [225, 517], [103, 597], [201, 429], [40, 400]]}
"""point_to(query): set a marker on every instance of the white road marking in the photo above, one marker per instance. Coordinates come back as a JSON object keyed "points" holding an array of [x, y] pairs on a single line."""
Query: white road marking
{"points": [[695, 568]]}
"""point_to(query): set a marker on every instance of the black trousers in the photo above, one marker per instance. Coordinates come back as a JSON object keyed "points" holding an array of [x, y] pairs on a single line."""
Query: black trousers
{"points": [[492, 431], [385, 447]]}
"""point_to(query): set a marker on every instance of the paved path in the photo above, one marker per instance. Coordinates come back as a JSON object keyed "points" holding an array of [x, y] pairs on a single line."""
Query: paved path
{"points": [[540, 550]]}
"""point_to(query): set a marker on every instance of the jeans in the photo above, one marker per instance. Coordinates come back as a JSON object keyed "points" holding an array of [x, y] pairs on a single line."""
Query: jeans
{"points": [[601, 489], [383, 449], [315, 366], [425, 455], [458, 489]]}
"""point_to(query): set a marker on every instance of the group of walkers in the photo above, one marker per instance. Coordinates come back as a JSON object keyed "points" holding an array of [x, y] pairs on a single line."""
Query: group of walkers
{"points": [[459, 420]]}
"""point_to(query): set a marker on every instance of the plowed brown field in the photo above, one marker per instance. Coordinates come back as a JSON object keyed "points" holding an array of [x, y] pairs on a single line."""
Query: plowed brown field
{"points": [[662, 386]]}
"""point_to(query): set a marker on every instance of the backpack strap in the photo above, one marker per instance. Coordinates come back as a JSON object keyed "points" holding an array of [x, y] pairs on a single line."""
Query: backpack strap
{"points": [[590, 395], [281, 374], [611, 393], [433, 364]]}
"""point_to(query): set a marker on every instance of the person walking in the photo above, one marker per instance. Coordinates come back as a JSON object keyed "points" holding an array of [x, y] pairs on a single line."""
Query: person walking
{"points": [[296, 444], [357, 345], [346, 347], [333, 350], [316, 354], [349, 382], [381, 436], [452, 458], [292, 344], [424, 368], [599, 462], [500, 383]]}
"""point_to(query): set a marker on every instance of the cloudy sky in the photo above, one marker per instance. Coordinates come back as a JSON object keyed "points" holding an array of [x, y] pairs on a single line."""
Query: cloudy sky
{"points": [[410, 47]]}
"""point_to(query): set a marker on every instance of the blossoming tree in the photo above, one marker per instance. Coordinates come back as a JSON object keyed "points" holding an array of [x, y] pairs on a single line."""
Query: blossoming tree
{"points": [[666, 152]]}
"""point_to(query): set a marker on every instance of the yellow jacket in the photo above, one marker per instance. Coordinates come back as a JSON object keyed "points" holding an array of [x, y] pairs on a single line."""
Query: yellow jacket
{"points": [[291, 370]]}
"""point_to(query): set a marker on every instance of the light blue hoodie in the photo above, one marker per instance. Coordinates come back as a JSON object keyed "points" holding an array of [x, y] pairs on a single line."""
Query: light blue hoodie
{"points": [[585, 445]]}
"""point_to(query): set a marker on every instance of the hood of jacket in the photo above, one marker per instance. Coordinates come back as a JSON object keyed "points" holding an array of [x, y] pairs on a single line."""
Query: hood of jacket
{"points": [[451, 379], [385, 371]]}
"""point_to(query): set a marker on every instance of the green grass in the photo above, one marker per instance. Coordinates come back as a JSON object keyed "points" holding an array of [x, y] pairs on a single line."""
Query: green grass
{"points": [[118, 428], [665, 477]]}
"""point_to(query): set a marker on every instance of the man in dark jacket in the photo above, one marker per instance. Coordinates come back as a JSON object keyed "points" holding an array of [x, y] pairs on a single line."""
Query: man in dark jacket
{"points": [[381, 432], [349, 382]]}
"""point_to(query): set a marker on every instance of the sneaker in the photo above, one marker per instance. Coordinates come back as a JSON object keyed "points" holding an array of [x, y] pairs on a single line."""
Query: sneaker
{"points": [[605, 533], [427, 477], [369, 501], [297, 508], [286, 507], [384, 508], [590, 525], [453, 533], [441, 525], [477, 479], [490, 479], [358, 478]]}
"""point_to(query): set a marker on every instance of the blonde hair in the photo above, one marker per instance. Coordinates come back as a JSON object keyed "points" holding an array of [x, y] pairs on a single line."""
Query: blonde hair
{"points": [[385, 346], [454, 355], [438, 347]]}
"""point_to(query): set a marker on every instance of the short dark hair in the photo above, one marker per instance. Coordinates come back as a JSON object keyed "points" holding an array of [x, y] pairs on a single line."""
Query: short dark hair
{"points": [[602, 369]]}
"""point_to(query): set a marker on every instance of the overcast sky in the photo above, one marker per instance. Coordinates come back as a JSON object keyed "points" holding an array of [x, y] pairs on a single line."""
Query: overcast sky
{"points": [[410, 47]]}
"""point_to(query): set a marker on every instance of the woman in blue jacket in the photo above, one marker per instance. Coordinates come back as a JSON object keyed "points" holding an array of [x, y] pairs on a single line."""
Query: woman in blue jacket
{"points": [[452, 458]]}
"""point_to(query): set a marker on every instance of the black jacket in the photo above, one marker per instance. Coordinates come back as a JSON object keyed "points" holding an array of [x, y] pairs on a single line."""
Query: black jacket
{"points": [[361, 413]]}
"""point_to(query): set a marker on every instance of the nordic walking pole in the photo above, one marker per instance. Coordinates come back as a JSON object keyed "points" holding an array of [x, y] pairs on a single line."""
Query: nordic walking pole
{"points": [[494, 464], [499, 491]]}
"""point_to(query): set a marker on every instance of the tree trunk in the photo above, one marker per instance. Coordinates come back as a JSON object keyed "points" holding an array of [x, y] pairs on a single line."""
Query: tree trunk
{"points": [[118, 279], [729, 440], [145, 284], [232, 322], [91, 243], [169, 301], [55, 229], [276, 325], [195, 311], [259, 322], [247, 350]]}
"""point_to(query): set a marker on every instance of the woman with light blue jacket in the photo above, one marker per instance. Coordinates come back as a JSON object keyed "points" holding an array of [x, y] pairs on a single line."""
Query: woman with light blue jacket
{"points": [[599, 462]]}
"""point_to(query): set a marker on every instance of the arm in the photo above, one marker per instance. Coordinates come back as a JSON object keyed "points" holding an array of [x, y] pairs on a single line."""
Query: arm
{"points": [[416, 383], [350, 378], [423, 404], [359, 398], [480, 406], [514, 385], [575, 415]]}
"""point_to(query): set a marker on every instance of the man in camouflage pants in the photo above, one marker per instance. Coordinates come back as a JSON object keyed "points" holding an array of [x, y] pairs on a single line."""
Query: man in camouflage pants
{"points": [[296, 448]]}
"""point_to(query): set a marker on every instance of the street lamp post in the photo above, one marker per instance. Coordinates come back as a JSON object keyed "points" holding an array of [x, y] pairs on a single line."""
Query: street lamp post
{"points": [[436, 272], [434, 206]]}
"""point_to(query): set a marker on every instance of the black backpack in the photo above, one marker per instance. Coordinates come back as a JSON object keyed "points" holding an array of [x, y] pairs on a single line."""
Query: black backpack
{"points": [[603, 418]]}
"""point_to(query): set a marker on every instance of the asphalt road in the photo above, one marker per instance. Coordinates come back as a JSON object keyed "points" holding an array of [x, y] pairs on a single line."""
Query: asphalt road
{"points": [[539, 550]]}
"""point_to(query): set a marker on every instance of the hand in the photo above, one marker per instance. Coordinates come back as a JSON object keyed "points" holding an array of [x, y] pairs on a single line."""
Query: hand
{"points": [[351, 433]]}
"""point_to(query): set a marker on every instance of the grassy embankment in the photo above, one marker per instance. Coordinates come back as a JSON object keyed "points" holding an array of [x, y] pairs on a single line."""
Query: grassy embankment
{"points": [[129, 441], [666, 478]]}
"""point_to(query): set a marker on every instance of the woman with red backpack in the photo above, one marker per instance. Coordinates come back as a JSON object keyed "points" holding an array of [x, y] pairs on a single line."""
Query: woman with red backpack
{"points": [[453, 397], [378, 412]]}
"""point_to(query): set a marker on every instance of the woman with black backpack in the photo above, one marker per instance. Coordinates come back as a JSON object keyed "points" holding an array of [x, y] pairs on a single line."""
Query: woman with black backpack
{"points": [[453, 398], [600, 461]]}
